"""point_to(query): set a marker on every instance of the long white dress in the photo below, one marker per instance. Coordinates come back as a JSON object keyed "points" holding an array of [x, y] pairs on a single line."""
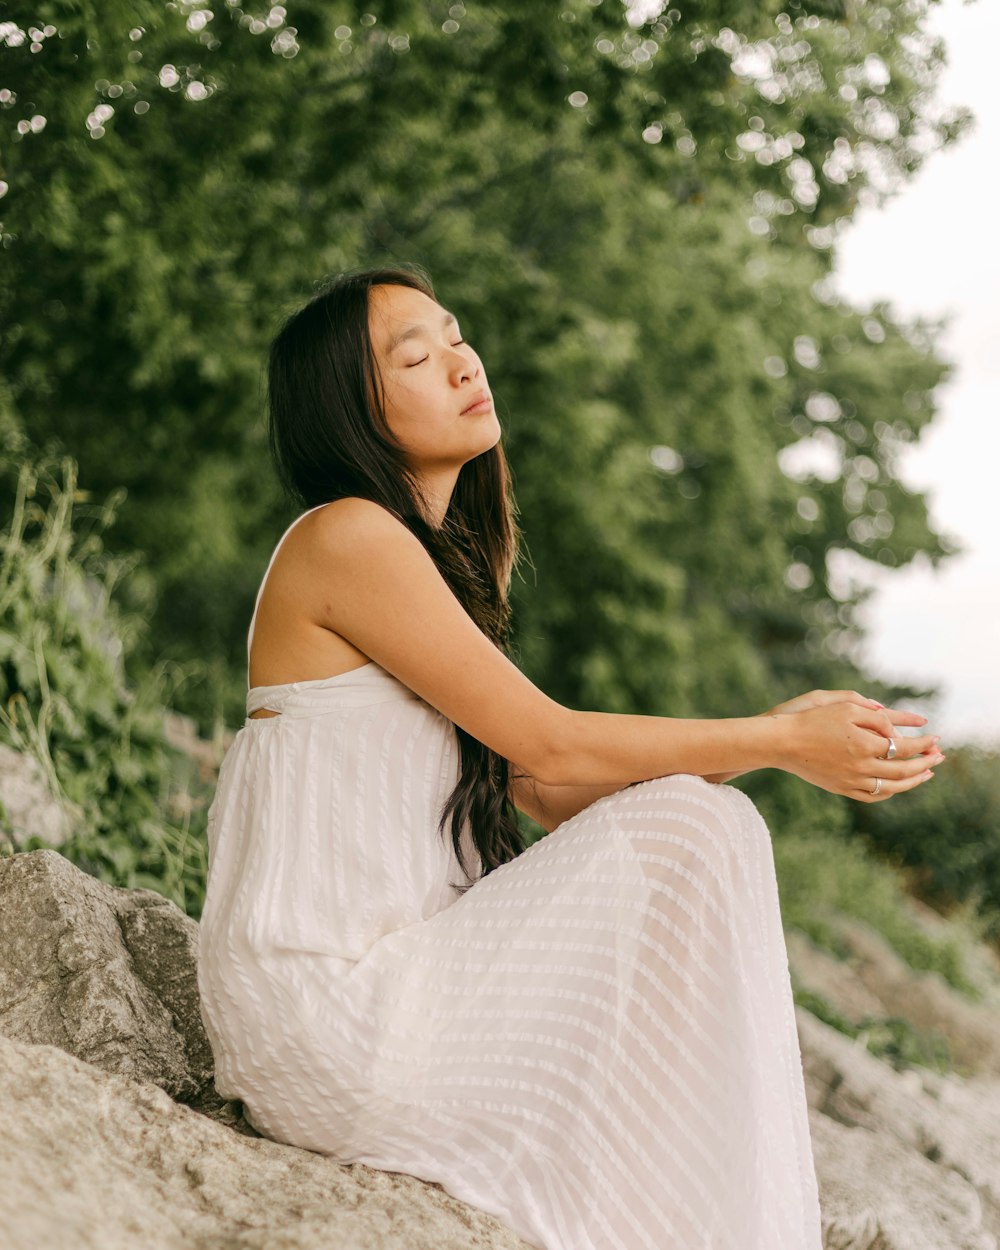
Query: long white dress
{"points": [[595, 1043]]}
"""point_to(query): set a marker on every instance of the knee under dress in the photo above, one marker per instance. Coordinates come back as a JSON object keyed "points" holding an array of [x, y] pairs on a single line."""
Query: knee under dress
{"points": [[595, 1043]]}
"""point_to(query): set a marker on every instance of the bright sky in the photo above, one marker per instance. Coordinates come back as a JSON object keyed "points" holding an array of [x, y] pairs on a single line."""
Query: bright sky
{"points": [[933, 250]]}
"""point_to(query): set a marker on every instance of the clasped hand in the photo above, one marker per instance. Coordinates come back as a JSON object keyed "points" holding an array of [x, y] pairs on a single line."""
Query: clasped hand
{"points": [[839, 740]]}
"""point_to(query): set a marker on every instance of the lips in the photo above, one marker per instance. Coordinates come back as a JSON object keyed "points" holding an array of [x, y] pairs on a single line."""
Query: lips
{"points": [[484, 399]]}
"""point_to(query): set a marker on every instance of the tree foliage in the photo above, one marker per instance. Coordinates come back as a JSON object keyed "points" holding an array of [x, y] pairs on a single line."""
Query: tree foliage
{"points": [[635, 218]]}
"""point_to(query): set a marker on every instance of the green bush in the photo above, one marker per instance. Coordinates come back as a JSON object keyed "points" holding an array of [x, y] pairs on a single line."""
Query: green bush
{"points": [[70, 616], [947, 834], [822, 875], [892, 1038]]}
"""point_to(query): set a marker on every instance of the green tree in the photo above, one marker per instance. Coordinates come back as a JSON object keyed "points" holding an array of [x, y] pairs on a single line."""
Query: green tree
{"points": [[635, 220]]}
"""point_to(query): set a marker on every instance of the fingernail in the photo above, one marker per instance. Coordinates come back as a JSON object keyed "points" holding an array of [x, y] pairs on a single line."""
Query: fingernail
{"points": [[928, 774]]}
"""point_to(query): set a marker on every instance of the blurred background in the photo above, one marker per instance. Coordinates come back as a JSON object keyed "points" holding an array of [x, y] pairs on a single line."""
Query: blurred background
{"points": [[707, 252], [924, 252]]}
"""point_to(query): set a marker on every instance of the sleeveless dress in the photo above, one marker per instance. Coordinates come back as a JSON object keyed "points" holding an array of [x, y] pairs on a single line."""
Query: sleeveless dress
{"points": [[595, 1043]]}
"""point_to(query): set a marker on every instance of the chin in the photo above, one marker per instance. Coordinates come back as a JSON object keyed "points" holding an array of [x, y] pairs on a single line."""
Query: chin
{"points": [[481, 438], [491, 436], [476, 454]]}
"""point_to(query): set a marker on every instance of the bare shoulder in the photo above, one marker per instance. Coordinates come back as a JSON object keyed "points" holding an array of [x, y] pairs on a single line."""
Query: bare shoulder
{"points": [[364, 576], [351, 511], [335, 541], [352, 529]]}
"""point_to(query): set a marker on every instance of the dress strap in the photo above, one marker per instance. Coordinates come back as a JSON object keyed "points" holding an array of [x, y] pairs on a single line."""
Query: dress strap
{"points": [[260, 590]]}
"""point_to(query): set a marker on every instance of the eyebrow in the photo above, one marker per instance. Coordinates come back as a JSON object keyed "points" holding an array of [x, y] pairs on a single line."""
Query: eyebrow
{"points": [[419, 328]]}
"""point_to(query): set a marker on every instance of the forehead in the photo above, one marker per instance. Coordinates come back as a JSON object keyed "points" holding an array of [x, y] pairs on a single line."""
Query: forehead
{"points": [[395, 309]]}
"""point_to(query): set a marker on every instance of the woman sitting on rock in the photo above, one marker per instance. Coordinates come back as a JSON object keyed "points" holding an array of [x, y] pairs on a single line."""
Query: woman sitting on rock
{"points": [[592, 1038]]}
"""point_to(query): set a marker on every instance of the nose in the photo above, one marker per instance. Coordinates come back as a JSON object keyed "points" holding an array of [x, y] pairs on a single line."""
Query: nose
{"points": [[465, 367]]}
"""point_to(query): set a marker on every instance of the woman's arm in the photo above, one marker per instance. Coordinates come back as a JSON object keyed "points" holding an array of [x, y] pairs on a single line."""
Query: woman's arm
{"points": [[549, 806], [365, 576]]}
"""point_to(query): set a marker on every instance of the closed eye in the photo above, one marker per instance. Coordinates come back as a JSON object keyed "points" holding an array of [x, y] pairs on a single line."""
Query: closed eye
{"points": [[413, 364]]}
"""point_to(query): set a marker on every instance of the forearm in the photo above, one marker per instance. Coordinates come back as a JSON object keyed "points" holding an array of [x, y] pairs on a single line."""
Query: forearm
{"points": [[612, 750], [720, 778]]}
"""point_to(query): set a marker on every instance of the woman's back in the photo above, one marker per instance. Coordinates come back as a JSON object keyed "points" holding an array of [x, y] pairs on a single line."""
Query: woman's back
{"points": [[347, 775], [286, 642]]}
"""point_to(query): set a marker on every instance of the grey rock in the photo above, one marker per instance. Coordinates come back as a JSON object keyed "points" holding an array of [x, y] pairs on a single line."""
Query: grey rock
{"points": [[912, 1157], [96, 1161], [876, 1193], [971, 1029], [29, 808], [834, 979], [875, 981], [105, 974]]}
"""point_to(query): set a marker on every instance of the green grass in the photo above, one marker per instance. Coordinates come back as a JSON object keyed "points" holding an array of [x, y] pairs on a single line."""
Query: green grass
{"points": [[68, 699], [891, 1038], [821, 876]]}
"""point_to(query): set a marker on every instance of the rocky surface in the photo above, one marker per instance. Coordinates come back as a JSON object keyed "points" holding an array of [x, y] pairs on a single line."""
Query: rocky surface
{"points": [[906, 1160], [27, 805], [95, 1161], [106, 975], [873, 981], [113, 1137]]}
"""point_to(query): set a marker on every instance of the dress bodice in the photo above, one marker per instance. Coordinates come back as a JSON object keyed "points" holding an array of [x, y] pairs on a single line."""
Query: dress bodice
{"points": [[359, 687]]}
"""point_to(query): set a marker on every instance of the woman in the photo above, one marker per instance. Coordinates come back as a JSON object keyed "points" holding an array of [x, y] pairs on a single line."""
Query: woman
{"points": [[592, 1038]]}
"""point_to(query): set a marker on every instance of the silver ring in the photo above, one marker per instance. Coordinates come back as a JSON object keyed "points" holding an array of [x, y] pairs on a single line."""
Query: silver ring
{"points": [[891, 752], [878, 786]]}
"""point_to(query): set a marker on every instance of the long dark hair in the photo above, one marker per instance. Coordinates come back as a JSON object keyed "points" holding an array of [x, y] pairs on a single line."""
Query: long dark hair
{"points": [[330, 440]]}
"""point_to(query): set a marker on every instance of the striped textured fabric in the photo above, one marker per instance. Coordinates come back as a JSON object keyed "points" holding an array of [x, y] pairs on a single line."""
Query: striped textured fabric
{"points": [[595, 1043]]}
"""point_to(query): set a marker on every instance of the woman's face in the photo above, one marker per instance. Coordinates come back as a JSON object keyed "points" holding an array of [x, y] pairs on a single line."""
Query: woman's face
{"points": [[435, 396]]}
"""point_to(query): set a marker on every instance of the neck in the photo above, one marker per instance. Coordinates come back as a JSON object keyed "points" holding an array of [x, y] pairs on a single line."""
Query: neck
{"points": [[436, 489]]}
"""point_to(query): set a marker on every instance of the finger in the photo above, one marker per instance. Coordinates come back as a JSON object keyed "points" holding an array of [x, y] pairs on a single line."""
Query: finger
{"points": [[879, 724], [899, 717], [908, 748], [875, 720], [820, 698], [852, 696], [905, 751], [890, 788], [903, 770], [823, 698]]}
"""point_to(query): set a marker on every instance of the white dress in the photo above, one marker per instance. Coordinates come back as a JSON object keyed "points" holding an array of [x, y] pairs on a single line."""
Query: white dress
{"points": [[595, 1043]]}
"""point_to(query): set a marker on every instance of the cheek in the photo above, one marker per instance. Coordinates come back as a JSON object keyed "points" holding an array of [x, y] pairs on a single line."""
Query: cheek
{"points": [[397, 400], [404, 386], [413, 414], [407, 402]]}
